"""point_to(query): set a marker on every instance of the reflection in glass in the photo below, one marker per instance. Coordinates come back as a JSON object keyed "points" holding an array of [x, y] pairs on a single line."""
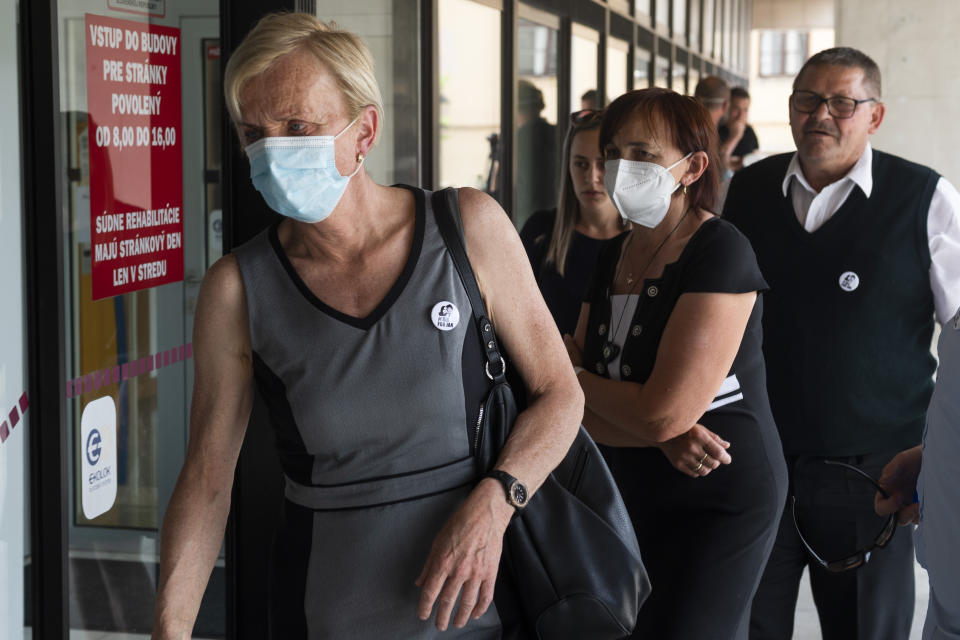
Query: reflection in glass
{"points": [[583, 61], [641, 68], [618, 52], [662, 73], [469, 86], [212, 89], [536, 119], [134, 347], [390, 30]]}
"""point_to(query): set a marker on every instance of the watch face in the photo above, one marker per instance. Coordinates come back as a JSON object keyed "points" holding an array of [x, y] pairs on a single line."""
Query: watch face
{"points": [[519, 493]]}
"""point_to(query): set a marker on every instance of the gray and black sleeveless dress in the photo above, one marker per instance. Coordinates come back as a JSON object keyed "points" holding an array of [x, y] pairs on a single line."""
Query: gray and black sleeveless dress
{"points": [[373, 418]]}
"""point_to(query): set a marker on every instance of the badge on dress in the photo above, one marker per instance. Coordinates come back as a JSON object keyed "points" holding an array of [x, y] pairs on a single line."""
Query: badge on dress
{"points": [[849, 281], [445, 315]]}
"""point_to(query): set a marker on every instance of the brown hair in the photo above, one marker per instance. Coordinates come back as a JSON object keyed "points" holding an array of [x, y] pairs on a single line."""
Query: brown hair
{"points": [[687, 126], [568, 205]]}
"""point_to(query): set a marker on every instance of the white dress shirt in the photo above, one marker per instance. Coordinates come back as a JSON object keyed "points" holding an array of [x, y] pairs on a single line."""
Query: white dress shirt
{"points": [[814, 208]]}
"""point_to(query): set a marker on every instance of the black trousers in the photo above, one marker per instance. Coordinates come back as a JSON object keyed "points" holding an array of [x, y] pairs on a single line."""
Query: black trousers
{"points": [[835, 512]]}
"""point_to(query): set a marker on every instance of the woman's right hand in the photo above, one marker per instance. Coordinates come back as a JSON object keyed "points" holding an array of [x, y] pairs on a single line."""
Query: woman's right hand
{"points": [[696, 452]]}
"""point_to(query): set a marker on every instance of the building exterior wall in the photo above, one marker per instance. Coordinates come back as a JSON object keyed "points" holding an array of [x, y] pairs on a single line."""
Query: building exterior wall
{"points": [[916, 47], [769, 115]]}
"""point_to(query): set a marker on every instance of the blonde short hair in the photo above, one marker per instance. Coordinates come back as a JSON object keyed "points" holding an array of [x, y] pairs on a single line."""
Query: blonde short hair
{"points": [[278, 34]]}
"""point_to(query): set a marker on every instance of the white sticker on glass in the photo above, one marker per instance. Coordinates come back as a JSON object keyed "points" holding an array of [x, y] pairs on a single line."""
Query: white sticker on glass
{"points": [[98, 457]]}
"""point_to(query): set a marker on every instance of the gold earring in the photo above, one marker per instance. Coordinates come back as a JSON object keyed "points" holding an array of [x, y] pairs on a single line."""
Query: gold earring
{"points": [[684, 189], [360, 157]]}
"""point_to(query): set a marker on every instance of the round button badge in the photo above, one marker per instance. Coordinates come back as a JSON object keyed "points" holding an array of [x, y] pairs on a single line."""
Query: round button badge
{"points": [[445, 315], [849, 281]]}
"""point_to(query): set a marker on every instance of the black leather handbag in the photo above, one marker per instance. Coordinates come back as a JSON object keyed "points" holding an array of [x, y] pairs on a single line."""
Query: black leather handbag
{"points": [[571, 566]]}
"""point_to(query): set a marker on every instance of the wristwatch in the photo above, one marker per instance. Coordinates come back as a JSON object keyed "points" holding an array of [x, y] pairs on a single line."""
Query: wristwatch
{"points": [[516, 490]]}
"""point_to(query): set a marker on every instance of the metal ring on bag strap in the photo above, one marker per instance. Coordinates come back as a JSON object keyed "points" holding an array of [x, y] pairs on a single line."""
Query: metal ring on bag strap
{"points": [[503, 368]]}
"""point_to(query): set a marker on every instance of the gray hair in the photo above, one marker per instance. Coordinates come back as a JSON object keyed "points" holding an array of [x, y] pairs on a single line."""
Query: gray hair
{"points": [[845, 57]]}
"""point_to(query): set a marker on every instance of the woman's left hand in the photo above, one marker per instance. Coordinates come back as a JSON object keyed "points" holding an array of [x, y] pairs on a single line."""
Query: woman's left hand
{"points": [[576, 356], [696, 452], [465, 556]]}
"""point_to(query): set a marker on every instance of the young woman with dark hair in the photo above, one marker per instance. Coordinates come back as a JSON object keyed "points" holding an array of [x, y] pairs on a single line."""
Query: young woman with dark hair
{"points": [[668, 353], [563, 243]]}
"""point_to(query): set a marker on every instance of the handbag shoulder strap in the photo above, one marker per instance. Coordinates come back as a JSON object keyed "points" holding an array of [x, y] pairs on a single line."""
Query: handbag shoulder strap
{"points": [[446, 211]]}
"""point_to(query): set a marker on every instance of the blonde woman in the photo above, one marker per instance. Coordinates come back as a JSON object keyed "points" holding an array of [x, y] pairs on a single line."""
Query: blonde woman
{"points": [[563, 243], [333, 315]]}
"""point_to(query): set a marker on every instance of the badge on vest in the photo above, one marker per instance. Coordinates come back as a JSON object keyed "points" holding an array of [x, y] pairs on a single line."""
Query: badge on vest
{"points": [[445, 315], [849, 281]]}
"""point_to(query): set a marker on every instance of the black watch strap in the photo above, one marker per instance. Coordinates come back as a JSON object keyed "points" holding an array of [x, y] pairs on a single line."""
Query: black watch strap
{"points": [[515, 490]]}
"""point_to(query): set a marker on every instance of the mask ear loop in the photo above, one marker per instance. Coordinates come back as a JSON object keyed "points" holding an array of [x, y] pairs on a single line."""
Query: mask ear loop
{"points": [[677, 186], [360, 157]]}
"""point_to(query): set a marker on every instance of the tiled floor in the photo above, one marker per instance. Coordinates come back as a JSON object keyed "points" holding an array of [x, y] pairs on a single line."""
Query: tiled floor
{"points": [[806, 626]]}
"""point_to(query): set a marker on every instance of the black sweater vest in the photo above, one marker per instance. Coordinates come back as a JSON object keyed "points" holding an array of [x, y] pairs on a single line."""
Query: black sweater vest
{"points": [[848, 320]]}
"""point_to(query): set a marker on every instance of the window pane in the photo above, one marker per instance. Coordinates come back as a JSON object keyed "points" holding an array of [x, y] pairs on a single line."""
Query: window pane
{"points": [[662, 12], [717, 46], [391, 30], [679, 77], [469, 95], [679, 30], [795, 45], [694, 19], [694, 79], [618, 52], [662, 78], [707, 45], [769, 42], [583, 72], [641, 68], [140, 174], [536, 119]]}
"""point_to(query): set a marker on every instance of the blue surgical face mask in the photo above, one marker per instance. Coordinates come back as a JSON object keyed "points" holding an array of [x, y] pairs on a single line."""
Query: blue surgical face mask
{"points": [[297, 175]]}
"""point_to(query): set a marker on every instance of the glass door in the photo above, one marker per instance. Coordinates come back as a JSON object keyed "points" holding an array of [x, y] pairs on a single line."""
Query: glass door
{"points": [[538, 34], [139, 91]]}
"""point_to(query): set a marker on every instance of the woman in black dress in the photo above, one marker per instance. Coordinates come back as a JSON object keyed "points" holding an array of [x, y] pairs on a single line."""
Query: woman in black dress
{"points": [[667, 350], [563, 243]]}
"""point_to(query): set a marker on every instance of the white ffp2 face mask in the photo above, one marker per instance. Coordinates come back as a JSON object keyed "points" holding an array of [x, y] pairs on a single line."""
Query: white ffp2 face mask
{"points": [[641, 190], [297, 175]]}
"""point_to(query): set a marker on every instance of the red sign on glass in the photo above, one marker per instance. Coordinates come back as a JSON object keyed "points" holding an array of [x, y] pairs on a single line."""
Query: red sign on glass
{"points": [[136, 163]]}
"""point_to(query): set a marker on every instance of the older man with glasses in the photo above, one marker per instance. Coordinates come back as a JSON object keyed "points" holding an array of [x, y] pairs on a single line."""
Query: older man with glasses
{"points": [[861, 250]]}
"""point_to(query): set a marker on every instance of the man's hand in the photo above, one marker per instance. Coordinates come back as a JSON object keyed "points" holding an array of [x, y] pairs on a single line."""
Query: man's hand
{"points": [[736, 128], [899, 478], [465, 556], [696, 452]]}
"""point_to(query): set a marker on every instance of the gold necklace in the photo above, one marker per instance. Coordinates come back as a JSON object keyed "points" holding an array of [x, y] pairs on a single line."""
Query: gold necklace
{"points": [[610, 348]]}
